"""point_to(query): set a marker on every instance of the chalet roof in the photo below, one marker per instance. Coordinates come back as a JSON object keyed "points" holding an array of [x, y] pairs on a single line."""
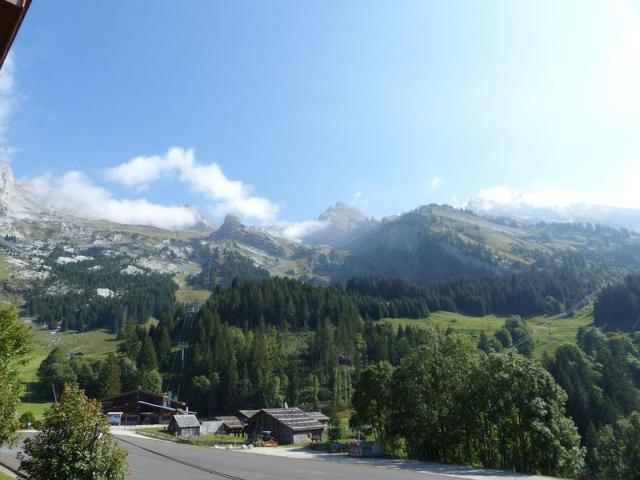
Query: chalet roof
{"points": [[321, 417], [155, 405], [230, 421], [248, 413], [161, 397], [130, 392], [186, 421], [294, 418], [12, 13]]}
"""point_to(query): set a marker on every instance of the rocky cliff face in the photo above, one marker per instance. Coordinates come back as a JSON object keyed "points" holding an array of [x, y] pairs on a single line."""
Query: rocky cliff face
{"points": [[14, 205], [232, 229]]}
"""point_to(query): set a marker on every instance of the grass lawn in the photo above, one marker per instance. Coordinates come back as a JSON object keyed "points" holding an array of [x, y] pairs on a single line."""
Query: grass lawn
{"points": [[5, 477], [206, 440], [562, 330], [37, 409]]}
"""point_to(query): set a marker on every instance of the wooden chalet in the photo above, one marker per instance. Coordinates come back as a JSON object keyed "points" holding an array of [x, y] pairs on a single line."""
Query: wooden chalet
{"points": [[184, 426], [231, 425], [139, 407], [12, 12], [287, 425]]}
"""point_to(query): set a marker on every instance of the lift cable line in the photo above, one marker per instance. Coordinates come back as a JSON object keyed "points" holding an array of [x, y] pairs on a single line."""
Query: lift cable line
{"points": [[178, 362], [579, 304]]}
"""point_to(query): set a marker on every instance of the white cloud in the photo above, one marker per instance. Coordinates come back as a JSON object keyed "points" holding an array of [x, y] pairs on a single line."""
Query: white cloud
{"points": [[141, 171], [296, 231], [228, 196], [75, 193], [436, 182], [492, 198]]}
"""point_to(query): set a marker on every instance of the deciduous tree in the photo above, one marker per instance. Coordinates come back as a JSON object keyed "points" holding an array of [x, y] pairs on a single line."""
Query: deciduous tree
{"points": [[74, 443]]}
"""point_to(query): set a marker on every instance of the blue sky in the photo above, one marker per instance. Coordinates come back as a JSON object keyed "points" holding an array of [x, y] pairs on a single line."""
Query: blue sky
{"points": [[385, 104]]}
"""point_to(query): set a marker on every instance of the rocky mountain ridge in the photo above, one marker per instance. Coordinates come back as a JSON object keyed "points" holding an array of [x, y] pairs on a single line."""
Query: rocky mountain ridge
{"points": [[427, 244]]}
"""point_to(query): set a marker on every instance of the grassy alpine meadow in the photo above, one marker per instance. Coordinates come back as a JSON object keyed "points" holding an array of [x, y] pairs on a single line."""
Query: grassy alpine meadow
{"points": [[548, 336], [187, 293], [87, 344]]}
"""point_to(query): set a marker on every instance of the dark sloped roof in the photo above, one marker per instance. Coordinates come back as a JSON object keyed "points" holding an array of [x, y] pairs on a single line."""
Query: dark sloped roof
{"points": [[186, 421], [230, 421], [248, 413], [294, 418], [321, 417]]}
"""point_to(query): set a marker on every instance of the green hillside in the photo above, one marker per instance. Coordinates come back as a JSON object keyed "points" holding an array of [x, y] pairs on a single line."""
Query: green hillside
{"points": [[91, 344], [547, 339]]}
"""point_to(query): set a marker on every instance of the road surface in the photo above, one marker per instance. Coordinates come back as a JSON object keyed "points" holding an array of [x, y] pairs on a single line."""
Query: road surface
{"points": [[151, 460]]}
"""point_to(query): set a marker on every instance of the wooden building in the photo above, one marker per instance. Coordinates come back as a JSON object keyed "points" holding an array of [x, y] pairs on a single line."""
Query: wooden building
{"points": [[143, 408], [287, 425], [245, 415], [231, 425], [12, 12], [184, 426], [321, 417]]}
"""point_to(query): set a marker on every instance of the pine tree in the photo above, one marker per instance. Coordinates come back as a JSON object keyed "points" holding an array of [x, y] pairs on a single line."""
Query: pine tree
{"points": [[109, 381], [131, 343], [147, 358]]}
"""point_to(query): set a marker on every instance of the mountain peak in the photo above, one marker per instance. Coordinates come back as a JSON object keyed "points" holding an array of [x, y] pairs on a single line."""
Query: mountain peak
{"points": [[233, 229], [230, 226], [342, 213], [7, 181], [232, 220]]}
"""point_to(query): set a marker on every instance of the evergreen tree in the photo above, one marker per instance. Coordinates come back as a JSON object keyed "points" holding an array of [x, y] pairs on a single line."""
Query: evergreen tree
{"points": [[147, 358], [130, 345], [109, 380]]}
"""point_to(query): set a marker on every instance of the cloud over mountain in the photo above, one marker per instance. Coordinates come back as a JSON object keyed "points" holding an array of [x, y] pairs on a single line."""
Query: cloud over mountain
{"points": [[559, 205], [226, 196], [74, 192]]}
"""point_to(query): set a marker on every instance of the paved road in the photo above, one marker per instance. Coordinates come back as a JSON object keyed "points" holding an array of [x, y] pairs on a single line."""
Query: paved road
{"points": [[151, 460], [8, 457], [156, 460]]}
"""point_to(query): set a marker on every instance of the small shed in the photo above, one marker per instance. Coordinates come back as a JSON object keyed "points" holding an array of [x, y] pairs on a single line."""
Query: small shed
{"points": [[231, 425], [287, 425], [184, 426]]}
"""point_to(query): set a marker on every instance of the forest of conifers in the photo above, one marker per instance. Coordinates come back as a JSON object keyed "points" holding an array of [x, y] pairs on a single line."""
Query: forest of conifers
{"points": [[262, 342]]}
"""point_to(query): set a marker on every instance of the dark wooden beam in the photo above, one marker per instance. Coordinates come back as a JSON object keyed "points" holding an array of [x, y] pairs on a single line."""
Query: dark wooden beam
{"points": [[12, 13]]}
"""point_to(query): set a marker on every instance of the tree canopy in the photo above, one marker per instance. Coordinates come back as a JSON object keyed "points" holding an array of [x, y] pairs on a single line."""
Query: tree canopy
{"points": [[74, 443], [15, 344]]}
